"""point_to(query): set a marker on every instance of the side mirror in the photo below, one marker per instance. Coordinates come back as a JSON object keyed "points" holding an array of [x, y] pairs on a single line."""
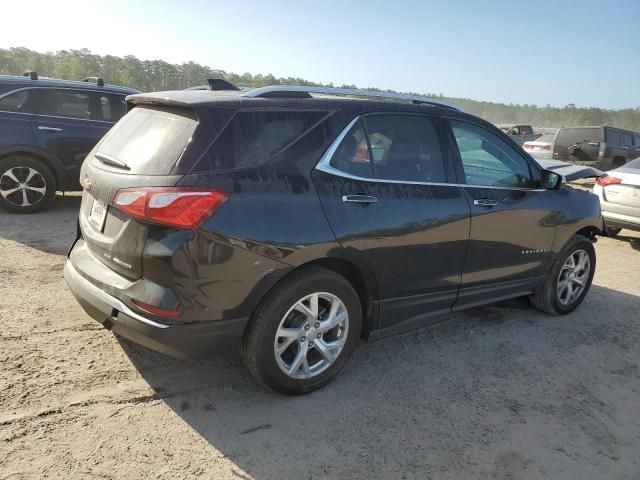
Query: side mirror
{"points": [[550, 180]]}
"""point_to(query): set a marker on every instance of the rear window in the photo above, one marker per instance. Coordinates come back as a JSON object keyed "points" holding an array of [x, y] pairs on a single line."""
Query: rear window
{"points": [[149, 140], [253, 137], [571, 136]]}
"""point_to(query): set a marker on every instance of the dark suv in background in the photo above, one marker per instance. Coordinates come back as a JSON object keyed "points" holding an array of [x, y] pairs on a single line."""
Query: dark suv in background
{"points": [[291, 223], [47, 128], [600, 147]]}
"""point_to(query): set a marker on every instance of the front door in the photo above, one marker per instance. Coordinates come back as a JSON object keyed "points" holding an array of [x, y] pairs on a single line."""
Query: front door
{"points": [[389, 192], [512, 220]]}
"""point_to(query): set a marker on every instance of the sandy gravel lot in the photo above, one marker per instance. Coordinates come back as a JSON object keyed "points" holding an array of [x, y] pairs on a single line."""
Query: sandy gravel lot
{"points": [[499, 392]]}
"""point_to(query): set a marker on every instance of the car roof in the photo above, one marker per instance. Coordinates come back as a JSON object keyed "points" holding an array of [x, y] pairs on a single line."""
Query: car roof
{"points": [[44, 82], [202, 98]]}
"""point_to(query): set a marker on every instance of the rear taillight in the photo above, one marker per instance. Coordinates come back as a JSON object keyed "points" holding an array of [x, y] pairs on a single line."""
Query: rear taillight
{"points": [[528, 146], [602, 149], [608, 180], [174, 207], [545, 147]]}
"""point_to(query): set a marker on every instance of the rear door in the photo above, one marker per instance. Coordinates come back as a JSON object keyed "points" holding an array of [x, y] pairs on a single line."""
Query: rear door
{"points": [[389, 192], [512, 227], [68, 125]]}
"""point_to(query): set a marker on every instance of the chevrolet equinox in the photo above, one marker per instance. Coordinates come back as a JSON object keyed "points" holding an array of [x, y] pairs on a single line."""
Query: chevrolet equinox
{"points": [[292, 222]]}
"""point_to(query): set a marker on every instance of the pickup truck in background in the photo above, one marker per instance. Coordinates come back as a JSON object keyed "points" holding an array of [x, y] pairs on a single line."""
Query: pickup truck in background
{"points": [[520, 133]]}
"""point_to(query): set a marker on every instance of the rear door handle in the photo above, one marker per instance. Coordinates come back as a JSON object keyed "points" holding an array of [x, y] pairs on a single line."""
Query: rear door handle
{"points": [[49, 129], [359, 199], [485, 202]]}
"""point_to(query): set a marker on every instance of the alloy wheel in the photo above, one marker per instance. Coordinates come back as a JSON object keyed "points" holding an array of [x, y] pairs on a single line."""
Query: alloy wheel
{"points": [[573, 277], [311, 335], [22, 186]]}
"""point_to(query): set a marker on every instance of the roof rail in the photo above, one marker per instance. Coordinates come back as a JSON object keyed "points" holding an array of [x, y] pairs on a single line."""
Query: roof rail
{"points": [[97, 80], [305, 92], [31, 74]]}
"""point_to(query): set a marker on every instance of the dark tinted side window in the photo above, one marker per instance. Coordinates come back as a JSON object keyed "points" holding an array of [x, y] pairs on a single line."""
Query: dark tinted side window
{"points": [[571, 136], [526, 130], [63, 103], [20, 101], [405, 147], [352, 155], [637, 139], [253, 137], [614, 137], [109, 108], [628, 140]]}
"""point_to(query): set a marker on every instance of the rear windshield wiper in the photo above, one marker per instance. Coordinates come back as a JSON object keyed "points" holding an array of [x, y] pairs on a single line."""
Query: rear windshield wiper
{"points": [[109, 160]]}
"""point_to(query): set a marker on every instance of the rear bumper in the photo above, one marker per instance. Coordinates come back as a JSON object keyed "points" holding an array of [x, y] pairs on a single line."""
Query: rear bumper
{"points": [[618, 220], [192, 340]]}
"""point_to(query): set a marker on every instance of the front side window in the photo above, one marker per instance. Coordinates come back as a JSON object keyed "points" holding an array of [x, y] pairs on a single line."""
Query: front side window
{"points": [[71, 104], [489, 161], [16, 102]]}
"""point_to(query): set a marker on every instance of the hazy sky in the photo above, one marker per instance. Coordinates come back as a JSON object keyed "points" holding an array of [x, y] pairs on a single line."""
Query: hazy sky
{"points": [[537, 52]]}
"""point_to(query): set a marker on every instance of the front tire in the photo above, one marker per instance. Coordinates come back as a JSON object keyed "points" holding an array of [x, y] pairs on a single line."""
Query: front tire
{"points": [[569, 279], [304, 332], [26, 184], [613, 232]]}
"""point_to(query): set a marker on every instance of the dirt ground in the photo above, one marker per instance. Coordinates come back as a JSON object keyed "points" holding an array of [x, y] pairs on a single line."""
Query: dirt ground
{"points": [[498, 392]]}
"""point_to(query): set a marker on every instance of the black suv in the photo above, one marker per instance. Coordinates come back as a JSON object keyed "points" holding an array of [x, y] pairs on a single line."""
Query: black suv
{"points": [[601, 147], [292, 223], [47, 128]]}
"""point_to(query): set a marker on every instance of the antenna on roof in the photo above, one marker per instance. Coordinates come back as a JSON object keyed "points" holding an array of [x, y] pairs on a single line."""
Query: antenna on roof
{"points": [[31, 74], [97, 80], [220, 84]]}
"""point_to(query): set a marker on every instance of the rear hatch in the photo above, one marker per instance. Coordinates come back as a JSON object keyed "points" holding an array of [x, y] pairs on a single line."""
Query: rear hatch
{"points": [[141, 150], [626, 193]]}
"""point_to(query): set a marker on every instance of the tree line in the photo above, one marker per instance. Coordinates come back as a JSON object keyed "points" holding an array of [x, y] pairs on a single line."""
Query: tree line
{"points": [[153, 75]]}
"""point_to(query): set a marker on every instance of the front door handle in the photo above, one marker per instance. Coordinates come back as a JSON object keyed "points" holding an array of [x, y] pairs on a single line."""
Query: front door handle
{"points": [[359, 199], [485, 202], [49, 129]]}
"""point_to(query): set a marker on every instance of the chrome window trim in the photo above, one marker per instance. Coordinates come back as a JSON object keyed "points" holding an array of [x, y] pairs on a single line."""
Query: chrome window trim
{"points": [[324, 165]]}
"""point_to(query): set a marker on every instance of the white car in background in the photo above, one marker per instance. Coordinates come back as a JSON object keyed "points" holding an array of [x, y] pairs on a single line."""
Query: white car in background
{"points": [[619, 192], [540, 148]]}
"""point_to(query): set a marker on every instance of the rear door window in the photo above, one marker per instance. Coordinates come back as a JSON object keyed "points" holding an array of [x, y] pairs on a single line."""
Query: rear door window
{"points": [[405, 148], [108, 108], [614, 137], [352, 155], [149, 140], [488, 160], [628, 140], [66, 103], [253, 137]]}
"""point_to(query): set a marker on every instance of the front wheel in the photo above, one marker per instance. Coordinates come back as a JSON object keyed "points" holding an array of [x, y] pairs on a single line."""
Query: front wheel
{"points": [[569, 279], [613, 232], [304, 332]]}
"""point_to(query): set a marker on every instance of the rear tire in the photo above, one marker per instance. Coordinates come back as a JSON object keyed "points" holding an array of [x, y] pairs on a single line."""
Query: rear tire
{"points": [[569, 279], [26, 184], [288, 346], [613, 232]]}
